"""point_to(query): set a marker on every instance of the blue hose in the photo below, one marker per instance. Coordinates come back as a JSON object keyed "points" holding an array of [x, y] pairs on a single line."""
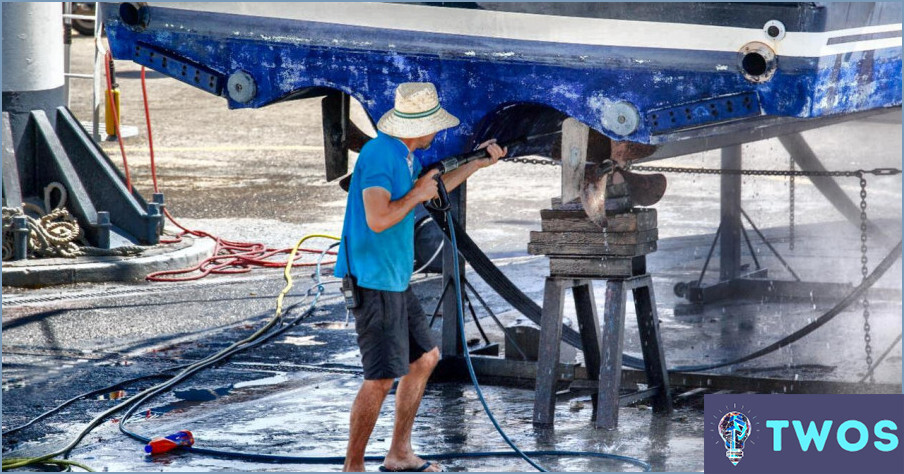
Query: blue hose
{"points": [[456, 279]]}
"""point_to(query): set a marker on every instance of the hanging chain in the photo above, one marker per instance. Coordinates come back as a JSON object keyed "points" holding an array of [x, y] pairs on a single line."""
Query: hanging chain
{"points": [[533, 161], [714, 171], [864, 270], [791, 203], [672, 169]]}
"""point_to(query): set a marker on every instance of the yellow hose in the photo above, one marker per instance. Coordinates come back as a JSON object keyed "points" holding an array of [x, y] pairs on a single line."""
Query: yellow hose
{"points": [[59, 462], [287, 272]]}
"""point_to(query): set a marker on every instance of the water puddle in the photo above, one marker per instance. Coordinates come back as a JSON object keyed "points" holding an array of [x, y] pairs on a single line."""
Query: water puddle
{"points": [[193, 397], [202, 394], [330, 325], [301, 341], [274, 380]]}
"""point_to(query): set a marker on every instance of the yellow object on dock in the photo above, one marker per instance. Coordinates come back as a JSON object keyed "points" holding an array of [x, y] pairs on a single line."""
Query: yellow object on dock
{"points": [[108, 113]]}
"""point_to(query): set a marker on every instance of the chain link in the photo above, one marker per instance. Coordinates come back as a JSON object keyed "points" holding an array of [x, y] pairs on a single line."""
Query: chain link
{"points": [[672, 169], [791, 204], [864, 270], [533, 161], [742, 172]]}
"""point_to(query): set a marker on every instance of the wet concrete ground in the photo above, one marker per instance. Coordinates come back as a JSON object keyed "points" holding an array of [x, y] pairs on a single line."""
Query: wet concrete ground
{"points": [[257, 174]]}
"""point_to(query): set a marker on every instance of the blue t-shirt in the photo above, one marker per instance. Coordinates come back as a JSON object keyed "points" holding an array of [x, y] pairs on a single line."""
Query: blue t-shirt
{"points": [[385, 260]]}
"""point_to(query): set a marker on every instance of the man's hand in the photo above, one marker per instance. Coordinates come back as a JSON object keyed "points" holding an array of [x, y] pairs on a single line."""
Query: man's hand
{"points": [[382, 213], [425, 188], [496, 152]]}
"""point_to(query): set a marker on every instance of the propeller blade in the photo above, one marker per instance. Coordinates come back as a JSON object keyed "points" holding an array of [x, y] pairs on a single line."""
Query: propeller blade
{"points": [[645, 189]]}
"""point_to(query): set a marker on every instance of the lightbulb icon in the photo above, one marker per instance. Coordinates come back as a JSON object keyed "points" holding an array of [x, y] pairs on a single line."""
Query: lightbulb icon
{"points": [[734, 429]]}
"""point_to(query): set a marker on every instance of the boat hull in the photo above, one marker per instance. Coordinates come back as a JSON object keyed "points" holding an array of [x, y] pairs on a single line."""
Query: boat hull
{"points": [[639, 80]]}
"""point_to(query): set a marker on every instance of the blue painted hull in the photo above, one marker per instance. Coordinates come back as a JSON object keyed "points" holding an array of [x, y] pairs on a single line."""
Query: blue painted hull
{"points": [[670, 89]]}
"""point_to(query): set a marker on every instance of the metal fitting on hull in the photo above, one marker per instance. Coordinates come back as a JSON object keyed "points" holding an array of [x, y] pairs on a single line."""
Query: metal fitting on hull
{"points": [[757, 61]]}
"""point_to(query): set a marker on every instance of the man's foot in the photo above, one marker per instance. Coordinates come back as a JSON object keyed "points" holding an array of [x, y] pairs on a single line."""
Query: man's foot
{"points": [[414, 464]]}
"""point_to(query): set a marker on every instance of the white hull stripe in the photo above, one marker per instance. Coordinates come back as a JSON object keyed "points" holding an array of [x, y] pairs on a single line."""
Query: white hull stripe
{"points": [[551, 28]]}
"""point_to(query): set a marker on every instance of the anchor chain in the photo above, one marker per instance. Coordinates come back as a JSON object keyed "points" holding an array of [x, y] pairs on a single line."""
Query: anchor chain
{"points": [[864, 270]]}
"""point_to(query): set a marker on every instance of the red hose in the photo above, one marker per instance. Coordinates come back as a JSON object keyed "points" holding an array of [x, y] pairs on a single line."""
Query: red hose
{"points": [[229, 256]]}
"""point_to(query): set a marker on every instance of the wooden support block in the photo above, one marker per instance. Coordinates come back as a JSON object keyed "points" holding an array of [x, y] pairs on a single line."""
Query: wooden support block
{"points": [[594, 238], [614, 204], [514, 372], [558, 220], [596, 267], [527, 336], [591, 249]]}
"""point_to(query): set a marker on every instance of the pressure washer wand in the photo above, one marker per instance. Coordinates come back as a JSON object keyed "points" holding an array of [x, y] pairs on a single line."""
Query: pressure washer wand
{"points": [[441, 201], [456, 161], [448, 164]]}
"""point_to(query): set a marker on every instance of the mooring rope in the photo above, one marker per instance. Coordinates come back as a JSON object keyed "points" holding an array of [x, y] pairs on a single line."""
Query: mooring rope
{"points": [[50, 235], [54, 232]]}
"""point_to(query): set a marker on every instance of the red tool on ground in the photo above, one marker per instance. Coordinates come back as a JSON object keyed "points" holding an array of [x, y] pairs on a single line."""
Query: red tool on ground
{"points": [[182, 439]]}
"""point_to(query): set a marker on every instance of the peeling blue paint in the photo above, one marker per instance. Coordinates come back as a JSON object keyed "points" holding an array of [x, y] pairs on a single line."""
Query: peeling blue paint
{"points": [[477, 75]]}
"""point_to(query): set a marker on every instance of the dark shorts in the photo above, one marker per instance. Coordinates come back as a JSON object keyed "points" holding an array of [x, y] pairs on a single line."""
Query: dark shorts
{"points": [[392, 332]]}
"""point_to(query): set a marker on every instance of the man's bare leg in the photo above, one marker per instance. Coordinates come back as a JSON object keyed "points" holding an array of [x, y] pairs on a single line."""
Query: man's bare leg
{"points": [[365, 411], [408, 400]]}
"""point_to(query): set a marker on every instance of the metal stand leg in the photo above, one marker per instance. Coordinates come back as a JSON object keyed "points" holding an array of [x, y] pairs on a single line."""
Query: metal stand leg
{"points": [[730, 243], [20, 238], [733, 283]]}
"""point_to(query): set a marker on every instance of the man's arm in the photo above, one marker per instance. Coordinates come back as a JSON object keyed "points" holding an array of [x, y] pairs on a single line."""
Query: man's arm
{"points": [[382, 213], [454, 178]]}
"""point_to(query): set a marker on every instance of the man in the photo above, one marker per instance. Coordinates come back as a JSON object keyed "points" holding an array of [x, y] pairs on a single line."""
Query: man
{"points": [[378, 250]]}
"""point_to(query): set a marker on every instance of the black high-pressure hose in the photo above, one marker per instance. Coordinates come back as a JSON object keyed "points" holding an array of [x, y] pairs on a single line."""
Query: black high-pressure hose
{"points": [[251, 341]]}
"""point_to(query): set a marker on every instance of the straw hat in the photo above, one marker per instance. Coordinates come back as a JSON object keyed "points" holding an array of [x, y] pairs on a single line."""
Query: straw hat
{"points": [[417, 112]]}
